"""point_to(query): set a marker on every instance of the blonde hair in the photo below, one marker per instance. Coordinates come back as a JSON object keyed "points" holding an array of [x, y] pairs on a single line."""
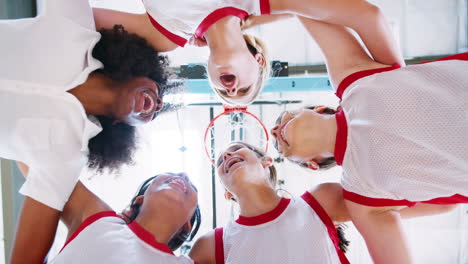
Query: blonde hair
{"points": [[255, 46]]}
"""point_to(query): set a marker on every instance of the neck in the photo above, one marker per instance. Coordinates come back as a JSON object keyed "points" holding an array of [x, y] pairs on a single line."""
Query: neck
{"points": [[329, 130], [96, 95], [225, 35], [257, 201], [162, 227]]}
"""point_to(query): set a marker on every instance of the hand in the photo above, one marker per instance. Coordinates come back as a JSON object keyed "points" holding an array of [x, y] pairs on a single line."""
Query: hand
{"points": [[197, 42]]}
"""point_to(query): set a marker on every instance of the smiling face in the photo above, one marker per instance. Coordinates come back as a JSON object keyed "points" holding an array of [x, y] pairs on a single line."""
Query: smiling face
{"points": [[234, 76], [174, 192], [239, 166], [137, 101], [297, 135]]}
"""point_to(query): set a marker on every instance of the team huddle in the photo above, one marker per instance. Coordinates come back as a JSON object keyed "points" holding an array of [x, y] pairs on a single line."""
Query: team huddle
{"points": [[87, 77]]}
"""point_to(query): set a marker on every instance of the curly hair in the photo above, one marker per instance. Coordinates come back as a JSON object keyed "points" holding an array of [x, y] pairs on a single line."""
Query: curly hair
{"points": [[124, 56]]}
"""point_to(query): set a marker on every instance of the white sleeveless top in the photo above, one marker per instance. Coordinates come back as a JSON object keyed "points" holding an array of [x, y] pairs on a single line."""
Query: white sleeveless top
{"points": [[296, 231], [106, 238], [407, 135], [179, 20], [43, 125]]}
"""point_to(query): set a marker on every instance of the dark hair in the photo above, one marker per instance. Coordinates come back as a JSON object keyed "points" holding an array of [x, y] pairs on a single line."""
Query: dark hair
{"points": [[326, 163], [182, 236], [343, 243], [124, 56]]}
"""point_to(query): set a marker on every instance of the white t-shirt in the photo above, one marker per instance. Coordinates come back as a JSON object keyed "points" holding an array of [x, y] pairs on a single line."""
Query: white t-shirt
{"points": [[43, 125], [407, 135], [179, 20], [106, 238], [297, 231]]}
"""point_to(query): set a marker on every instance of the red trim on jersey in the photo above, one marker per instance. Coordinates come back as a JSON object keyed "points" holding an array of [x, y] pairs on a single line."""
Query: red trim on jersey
{"points": [[87, 222], [147, 237], [171, 36], [341, 137], [461, 56], [361, 74], [332, 232], [217, 15], [219, 246], [265, 7], [266, 217], [376, 202], [346, 82]]}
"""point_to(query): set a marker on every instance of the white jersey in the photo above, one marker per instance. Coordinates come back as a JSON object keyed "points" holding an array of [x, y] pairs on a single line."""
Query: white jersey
{"points": [[104, 238], [179, 20], [407, 135], [43, 125], [296, 231]]}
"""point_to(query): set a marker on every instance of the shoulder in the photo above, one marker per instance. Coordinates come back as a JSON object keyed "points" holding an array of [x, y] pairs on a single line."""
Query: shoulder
{"points": [[330, 196], [203, 251]]}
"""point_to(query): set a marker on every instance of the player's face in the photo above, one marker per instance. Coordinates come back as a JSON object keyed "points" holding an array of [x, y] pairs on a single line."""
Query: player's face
{"points": [[296, 135], [170, 191], [234, 75], [239, 166], [137, 101]]}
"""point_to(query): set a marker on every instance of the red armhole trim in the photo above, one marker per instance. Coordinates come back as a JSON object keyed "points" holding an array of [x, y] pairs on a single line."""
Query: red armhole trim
{"points": [[346, 82], [265, 7], [219, 247], [171, 36], [461, 56], [368, 201], [216, 15], [88, 221], [341, 137], [332, 232]]}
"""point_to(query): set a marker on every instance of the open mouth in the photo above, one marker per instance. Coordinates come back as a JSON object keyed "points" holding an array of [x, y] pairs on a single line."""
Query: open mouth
{"points": [[231, 162], [178, 183], [149, 103], [228, 80], [282, 135]]}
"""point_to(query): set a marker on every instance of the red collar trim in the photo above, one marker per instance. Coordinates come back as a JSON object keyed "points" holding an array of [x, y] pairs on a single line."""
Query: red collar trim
{"points": [[148, 238], [217, 15], [346, 82], [341, 137], [180, 41], [266, 217], [265, 7], [87, 222]]}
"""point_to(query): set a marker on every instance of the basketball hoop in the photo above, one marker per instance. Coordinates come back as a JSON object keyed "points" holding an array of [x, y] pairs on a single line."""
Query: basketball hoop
{"points": [[235, 123]]}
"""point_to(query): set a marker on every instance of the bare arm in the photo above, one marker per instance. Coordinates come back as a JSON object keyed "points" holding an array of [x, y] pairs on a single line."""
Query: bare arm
{"points": [[344, 55], [35, 232], [423, 209], [330, 197], [203, 251], [133, 23], [383, 232], [364, 18], [31, 243]]}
